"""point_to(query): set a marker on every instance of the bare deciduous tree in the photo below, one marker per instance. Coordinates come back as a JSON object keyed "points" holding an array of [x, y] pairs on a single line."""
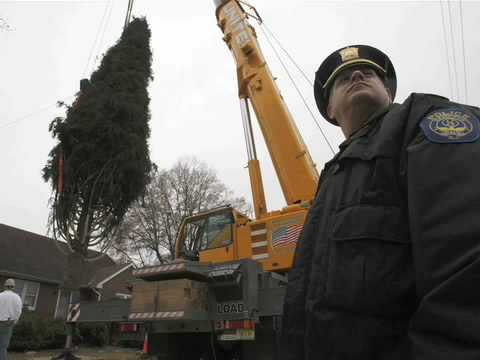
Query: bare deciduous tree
{"points": [[4, 25], [150, 228]]}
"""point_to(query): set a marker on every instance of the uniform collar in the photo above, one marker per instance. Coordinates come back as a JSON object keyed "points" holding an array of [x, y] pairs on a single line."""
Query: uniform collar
{"points": [[365, 128]]}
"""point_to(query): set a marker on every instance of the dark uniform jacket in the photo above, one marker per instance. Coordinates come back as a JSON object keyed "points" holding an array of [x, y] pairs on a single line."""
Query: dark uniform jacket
{"points": [[388, 264]]}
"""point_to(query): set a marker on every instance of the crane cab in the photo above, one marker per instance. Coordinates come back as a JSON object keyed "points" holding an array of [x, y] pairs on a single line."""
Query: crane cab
{"points": [[224, 234]]}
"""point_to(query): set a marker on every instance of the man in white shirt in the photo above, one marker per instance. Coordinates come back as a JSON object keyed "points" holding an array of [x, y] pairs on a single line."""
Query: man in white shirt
{"points": [[10, 311]]}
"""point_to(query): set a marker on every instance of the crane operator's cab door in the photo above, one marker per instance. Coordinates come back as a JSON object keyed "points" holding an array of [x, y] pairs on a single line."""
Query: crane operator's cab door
{"points": [[210, 237]]}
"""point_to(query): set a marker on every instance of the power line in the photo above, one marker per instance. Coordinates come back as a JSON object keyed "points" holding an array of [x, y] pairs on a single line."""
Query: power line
{"points": [[444, 28], [453, 50], [26, 116], [107, 22], [463, 54], [298, 91]]}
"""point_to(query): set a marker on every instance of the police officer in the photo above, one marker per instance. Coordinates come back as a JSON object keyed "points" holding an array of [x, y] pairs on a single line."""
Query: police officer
{"points": [[388, 264]]}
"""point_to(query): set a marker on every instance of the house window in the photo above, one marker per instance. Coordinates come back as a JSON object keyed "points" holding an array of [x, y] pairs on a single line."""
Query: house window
{"points": [[28, 291], [64, 297]]}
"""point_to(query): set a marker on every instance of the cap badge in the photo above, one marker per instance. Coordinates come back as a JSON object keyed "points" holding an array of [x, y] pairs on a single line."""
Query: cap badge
{"points": [[349, 53]]}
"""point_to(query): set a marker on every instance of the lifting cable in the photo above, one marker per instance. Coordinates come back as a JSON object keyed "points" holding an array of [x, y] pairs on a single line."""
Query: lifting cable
{"points": [[288, 55], [293, 81], [129, 13]]}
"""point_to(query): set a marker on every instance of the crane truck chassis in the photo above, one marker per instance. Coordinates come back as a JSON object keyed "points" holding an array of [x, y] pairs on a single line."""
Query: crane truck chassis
{"points": [[230, 311]]}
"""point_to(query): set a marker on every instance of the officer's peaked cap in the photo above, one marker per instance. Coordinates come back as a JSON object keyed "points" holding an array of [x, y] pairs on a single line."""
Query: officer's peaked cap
{"points": [[9, 283], [345, 58]]}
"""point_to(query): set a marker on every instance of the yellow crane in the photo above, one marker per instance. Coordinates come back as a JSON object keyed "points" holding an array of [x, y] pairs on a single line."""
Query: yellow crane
{"points": [[224, 234]]}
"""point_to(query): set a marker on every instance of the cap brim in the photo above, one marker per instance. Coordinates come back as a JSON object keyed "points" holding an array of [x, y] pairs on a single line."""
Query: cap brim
{"points": [[348, 64]]}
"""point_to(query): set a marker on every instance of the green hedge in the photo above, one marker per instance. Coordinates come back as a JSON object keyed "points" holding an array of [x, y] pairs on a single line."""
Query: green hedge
{"points": [[33, 332], [92, 334]]}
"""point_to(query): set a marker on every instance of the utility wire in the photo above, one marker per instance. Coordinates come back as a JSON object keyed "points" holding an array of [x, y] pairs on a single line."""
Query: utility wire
{"points": [[96, 40], [453, 50], [444, 28], [107, 22], [26, 116], [298, 90], [463, 53]]}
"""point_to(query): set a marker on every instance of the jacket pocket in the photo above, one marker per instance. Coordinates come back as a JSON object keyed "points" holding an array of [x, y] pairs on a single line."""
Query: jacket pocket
{"points": [[370, 258]]}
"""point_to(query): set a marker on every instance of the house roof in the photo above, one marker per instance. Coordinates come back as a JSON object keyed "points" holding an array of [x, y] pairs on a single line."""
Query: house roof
{"points": [[31, 256], [105, 274]]}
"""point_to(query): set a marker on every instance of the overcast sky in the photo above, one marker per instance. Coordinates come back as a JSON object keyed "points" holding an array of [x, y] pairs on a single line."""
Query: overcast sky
{"points": [[49, 46]]}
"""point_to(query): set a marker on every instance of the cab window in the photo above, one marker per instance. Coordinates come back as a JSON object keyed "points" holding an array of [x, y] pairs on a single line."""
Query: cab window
{"points": [[217, 232]]}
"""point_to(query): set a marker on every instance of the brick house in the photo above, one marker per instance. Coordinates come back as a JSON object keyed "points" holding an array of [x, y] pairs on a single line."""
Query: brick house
{"points": [[38, 265]]}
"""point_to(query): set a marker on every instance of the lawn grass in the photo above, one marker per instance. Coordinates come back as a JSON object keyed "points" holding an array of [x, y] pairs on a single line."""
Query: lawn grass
{"points": [[106, 353]]}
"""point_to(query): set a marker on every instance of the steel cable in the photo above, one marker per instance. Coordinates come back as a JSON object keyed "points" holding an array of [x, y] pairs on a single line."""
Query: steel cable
{"points": [[129, 13], [297, 89], [288, 55]]}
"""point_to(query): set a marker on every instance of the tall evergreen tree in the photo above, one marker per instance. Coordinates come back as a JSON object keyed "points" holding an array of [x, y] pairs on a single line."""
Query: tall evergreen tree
{"points": [[101, 162]]}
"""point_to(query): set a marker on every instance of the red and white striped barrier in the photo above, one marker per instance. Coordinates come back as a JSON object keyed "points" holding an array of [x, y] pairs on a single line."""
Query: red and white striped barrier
{"points": [[157, 269], [73, 312], [157, 315]]}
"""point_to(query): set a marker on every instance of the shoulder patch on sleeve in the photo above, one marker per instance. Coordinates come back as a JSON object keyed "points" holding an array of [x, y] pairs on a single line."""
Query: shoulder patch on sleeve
{"points": [[451, 125]]}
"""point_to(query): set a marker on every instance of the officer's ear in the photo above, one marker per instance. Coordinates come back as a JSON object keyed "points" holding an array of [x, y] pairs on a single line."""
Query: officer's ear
{"points": [[384, 80], [389, 94], [330, 95], [330, 111]]}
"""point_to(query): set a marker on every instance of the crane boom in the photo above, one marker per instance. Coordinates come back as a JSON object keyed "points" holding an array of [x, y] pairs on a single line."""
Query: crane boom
{"points": [[293, 164]]}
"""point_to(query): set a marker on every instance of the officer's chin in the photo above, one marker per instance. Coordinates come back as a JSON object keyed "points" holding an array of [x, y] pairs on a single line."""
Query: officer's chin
{"points": [[365, 96]]}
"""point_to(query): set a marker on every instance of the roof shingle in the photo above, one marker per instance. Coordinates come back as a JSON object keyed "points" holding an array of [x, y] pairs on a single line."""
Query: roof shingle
{"points": [[27, 255]]}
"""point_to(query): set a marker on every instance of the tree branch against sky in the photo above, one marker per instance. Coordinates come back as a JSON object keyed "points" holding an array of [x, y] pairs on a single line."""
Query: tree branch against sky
{"points": [[4, 26], [150, 228]]}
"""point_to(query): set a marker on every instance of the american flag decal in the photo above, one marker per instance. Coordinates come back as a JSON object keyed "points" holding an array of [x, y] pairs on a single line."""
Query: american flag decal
{"points": [[259, 244], [286, 234]]}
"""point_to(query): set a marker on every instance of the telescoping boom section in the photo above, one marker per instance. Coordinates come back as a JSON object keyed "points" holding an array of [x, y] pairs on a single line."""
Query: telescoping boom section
{"points": [[295, 169]]}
